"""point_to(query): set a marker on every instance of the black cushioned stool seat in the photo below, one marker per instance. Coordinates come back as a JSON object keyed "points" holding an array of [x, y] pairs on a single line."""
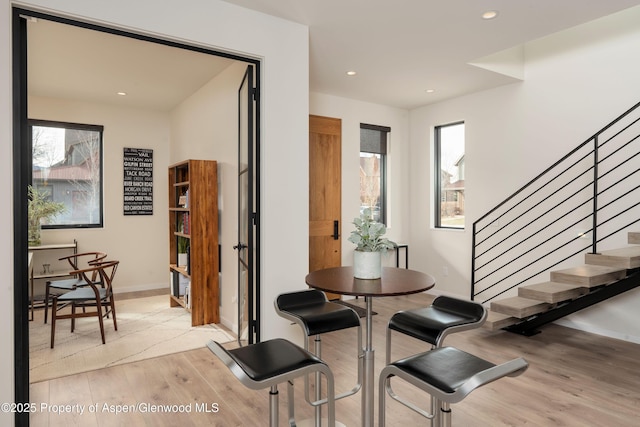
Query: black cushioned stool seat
{"points": [[316, 315], [269, 363], [432, 324], [447, 374]]}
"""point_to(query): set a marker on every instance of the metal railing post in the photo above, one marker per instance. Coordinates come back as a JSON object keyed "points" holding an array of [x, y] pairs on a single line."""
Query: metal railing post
{"points": [[473, 262], [594, 227]]}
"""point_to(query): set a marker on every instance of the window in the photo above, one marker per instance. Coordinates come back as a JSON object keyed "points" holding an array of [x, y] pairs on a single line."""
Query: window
{"points": [[449, 181], [373, 156], [67, 165]]}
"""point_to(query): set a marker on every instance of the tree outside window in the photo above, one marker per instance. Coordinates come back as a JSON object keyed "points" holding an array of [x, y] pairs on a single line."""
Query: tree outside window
{"points": [[450, 179], [67, 165]]}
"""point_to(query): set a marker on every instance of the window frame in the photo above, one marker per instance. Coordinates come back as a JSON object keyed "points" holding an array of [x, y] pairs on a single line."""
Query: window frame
{"points": [[438, 196], [383, 152], [74, 126]]}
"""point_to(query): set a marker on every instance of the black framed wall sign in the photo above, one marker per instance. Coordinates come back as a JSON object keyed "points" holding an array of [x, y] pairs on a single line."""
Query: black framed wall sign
{"points": [[138, 181]]}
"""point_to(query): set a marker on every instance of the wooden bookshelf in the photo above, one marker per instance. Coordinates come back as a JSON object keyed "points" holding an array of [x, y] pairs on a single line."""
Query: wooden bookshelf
{"points": [[193, 215]]}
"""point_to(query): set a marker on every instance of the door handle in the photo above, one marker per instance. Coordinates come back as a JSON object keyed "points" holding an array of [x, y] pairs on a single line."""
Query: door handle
{"points": [[240, 246], [336, 227]]}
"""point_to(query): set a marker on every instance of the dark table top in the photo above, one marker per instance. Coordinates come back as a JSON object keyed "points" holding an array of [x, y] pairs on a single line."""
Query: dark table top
{"points": [[394, 281]]}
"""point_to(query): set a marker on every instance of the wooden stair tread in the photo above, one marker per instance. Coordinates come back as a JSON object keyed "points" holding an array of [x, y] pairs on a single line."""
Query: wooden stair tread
{"points": [[551, 292], [496, 321], [519, 307], [623, 257], [568, 284], [588, 275]]}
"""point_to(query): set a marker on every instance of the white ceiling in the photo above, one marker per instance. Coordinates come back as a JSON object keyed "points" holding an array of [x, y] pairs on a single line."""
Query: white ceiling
{"points": [[399, 48], [70, 62]]}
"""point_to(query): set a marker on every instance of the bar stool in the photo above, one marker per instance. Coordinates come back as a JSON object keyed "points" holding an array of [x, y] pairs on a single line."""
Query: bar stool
{"points": [[269, 363], [433, 324], [447, 374], [316, 315]]}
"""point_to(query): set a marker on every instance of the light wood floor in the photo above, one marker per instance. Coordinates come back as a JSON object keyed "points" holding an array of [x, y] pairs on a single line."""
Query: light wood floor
{"points": [[574, 379]]}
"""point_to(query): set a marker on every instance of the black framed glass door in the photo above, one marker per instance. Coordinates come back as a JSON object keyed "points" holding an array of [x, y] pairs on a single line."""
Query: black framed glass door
{"points": [[248, 194]]}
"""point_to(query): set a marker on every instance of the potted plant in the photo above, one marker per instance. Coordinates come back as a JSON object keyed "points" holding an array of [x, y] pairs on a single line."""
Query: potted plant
{"points": [[370, 243], [183, 243], [40, 208]]}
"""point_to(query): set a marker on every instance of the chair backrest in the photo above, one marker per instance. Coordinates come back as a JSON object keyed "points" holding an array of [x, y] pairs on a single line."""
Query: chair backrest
{"points": [[299, 299], [85, 260], [108, 272], [99, 273]]}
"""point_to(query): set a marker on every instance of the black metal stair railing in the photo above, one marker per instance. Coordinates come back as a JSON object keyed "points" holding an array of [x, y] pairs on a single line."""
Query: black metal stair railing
{"points": [[584, 202]]}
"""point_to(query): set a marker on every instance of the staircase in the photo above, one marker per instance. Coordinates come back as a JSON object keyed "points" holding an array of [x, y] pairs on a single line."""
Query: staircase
{"points": [[549, 249], [603, 274]]}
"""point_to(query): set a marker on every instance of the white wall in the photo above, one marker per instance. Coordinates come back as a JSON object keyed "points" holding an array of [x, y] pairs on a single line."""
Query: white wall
{"points": [[283, 47], [205, 127], [353, 113], [576, 82], [134, 240]]}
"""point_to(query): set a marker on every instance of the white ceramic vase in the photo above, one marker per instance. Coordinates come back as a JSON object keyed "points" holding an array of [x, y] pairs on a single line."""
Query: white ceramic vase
{"points": [[367, 265], [182, 260]]}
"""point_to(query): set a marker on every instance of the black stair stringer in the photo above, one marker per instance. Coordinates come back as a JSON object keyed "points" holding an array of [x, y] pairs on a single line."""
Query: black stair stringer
{"points": [[530, 326]]}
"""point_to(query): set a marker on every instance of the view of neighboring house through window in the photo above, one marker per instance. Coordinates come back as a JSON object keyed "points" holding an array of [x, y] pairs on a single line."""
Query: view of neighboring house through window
{"points": [[373, 156], [449, 157], [67, 165]]}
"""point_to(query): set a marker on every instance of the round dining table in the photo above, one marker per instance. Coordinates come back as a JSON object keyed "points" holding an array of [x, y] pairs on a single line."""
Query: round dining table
{"points": [[394, 281]]}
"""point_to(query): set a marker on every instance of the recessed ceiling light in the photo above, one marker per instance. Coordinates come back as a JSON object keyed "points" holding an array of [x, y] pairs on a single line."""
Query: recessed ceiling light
{"points": [[429, 90], [351, 73], [121, 93], [490, 14]]}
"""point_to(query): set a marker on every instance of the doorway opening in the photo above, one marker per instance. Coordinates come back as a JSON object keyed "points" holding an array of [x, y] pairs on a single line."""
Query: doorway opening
{"points": [[22, 162]]}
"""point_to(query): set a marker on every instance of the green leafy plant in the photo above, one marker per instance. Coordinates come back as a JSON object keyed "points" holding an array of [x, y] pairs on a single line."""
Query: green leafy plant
{"points": [[183, 242], [40, 208], [368, 234]]}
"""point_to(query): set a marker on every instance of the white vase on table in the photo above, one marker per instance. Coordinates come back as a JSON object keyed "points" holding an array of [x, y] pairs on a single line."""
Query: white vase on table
{"points": [[367, 265]]}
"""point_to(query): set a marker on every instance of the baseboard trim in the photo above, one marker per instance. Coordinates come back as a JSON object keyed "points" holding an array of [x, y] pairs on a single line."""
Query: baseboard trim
{"points": [[150, 289], [585, 327]]}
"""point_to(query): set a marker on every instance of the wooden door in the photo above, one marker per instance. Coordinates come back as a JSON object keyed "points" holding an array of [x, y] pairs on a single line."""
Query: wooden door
{"points": [[325, 181]]}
